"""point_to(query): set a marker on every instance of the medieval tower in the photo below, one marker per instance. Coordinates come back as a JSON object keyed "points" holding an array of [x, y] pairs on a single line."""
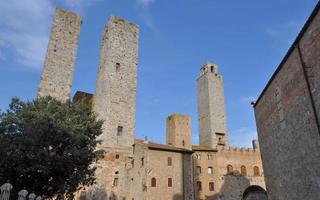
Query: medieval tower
{"points": [[211, 108], [115, 103], [179, 131], [57, 74]]}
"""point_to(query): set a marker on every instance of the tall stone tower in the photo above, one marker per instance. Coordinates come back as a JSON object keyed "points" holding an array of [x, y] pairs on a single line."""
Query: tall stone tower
{"points": [[115, 103], [115, 97], [57, 74], [179, 131], [211, 107]]}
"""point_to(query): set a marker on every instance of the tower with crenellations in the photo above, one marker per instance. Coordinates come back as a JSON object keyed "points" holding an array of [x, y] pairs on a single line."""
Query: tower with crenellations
{"points": [[211, 107], [57, 74]]}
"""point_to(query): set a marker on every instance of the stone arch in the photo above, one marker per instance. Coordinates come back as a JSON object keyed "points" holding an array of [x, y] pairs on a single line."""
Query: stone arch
{"points": [[254, 192]]}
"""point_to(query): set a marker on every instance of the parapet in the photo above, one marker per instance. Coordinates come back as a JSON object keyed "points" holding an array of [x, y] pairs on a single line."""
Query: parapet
{"points": [[209, 67]]}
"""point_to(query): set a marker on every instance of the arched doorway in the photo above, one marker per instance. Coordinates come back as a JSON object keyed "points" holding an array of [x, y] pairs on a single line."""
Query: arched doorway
{"points": [[255, 192]]}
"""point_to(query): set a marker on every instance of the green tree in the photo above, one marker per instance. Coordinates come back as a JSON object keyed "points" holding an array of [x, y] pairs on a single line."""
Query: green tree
{"points": [[48, 146]]}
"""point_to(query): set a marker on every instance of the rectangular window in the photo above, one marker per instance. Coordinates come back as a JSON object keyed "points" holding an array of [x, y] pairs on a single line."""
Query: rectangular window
{"points": [[199, 186], [119, 130], [117, 67], [198, 170], [211, 186], [169, 161], [169, 182], [210, 170]]}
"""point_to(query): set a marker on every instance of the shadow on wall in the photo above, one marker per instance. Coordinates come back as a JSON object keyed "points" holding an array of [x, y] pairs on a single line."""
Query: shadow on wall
{"points": [[237, 187]]}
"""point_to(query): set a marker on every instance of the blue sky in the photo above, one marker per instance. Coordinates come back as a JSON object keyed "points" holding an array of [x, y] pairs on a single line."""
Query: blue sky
{"points": [[247, 39]]}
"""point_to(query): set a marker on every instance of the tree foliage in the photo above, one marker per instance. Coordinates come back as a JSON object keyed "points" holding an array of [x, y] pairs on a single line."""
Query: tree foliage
{"points": [[47, 146]]}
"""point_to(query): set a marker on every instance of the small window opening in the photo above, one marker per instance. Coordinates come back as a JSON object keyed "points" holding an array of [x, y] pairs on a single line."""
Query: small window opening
{"points": [[210, 170], [211, 186], [142, 162], [117, 172], [153, 182], [199, 186], [256, 171], [169, 161], [198, 170], [229, 169], [117, 156], [183, 143], [117, 67], [169, 182], [212, 69], [120, 131], [243, 171], [115, 182]]}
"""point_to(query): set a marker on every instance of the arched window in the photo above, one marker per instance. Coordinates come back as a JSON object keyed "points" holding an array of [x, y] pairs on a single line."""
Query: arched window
{"points": [[243, 170], [153, 182], [229, 169], [211, 186], [256, 171]]}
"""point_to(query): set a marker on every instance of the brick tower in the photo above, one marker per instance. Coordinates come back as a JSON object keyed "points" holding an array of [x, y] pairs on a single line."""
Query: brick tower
{"points": [[115, 102], [179, 131], [211, 108], [57, 74]]}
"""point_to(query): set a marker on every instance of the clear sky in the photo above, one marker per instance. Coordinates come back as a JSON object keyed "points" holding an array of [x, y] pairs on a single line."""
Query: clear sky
{"points": [[247, 39]]}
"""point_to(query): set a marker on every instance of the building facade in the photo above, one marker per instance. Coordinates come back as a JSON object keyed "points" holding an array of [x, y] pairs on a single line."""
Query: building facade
{"points": [[144, 170], [287, 116]]}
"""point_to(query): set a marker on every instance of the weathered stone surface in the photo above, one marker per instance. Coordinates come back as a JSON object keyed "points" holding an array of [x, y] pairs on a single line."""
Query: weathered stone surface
{"points": [[179, 131], [286, 120], [57, 74], [211, 107]]}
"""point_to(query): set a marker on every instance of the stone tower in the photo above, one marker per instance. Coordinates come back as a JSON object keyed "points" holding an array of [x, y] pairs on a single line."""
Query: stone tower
{"points": [[115, 103], [211, 107], [115, 97], [57, 74], [179, 131]]}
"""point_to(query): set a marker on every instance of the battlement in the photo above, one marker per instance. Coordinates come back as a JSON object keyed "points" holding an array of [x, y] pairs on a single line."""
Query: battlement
{"points": [[239, 150]]}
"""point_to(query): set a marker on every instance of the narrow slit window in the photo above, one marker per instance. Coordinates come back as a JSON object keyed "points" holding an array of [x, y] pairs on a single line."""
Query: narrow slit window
{"points": [[117, 67], [169, 182], [169, 161], [120, 131]]}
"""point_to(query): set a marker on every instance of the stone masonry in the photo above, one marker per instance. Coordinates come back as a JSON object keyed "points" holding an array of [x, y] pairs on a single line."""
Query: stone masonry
{"points": [[287, 116], [179, 131], [211, 107], [57, 74], [115, 97], [115, 103], [142, 170]]}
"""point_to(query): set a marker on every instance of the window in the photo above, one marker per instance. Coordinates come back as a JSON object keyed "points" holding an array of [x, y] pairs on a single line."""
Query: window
{"points": [[117, 172], [115, 182], [117, 67], [198, 170], [142, 162], [198, 156], [209, 156], [211, 68], [183, 143], [211, 186], [229, 169], [169, 161], [117, 156], [169, 182], [153, 182], [243, 170], [210, 170], [119, 130], [199, 186], [256, 171]]}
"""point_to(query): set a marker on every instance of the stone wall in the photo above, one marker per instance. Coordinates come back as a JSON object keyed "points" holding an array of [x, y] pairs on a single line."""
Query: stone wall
{"points": [[227, 186], [115, 102], [286, 116], [57, 74], [179, 131], [115, 97], [211, 107]]}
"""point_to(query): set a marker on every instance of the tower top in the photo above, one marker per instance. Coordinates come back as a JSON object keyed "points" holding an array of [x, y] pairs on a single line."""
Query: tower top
{"points": [[209, 67]]}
